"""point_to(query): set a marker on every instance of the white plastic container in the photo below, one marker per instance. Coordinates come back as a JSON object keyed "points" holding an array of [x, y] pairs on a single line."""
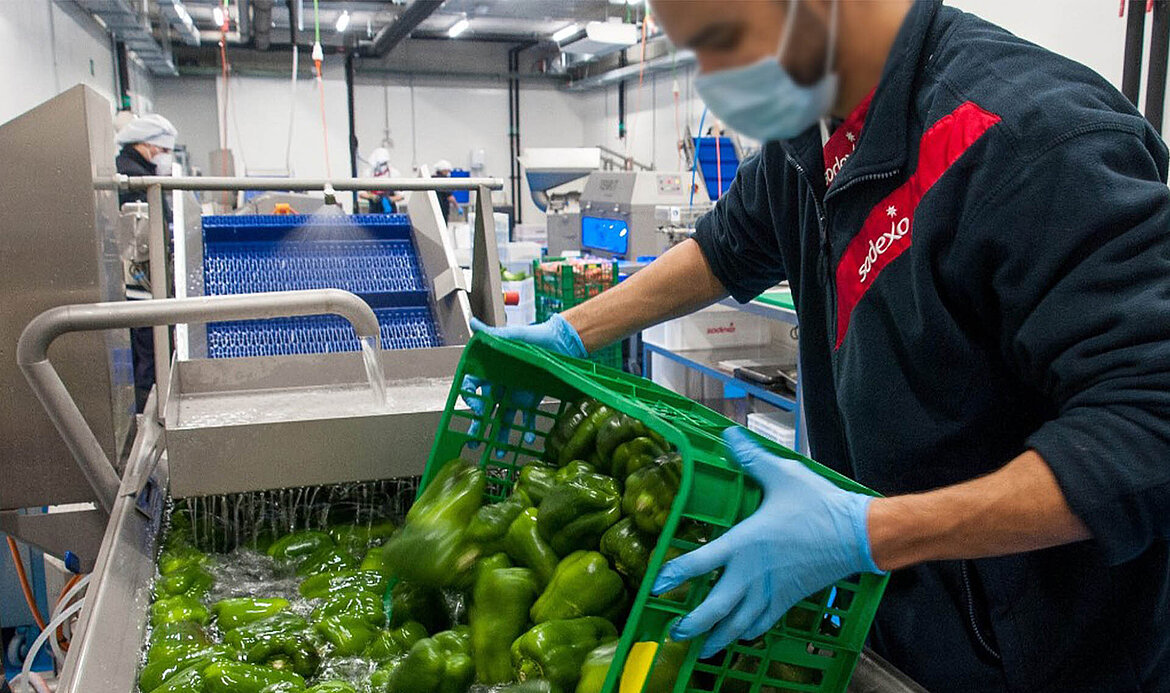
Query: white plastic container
{"points": [[710, 328], [524, 313], [776, 426]]}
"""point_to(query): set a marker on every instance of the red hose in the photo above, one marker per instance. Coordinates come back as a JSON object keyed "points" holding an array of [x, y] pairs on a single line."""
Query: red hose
{"points": [[24, 586]]}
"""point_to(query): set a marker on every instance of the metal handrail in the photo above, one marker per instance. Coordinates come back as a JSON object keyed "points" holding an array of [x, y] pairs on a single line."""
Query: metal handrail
{"points": [[202, 183], [33, 346]]}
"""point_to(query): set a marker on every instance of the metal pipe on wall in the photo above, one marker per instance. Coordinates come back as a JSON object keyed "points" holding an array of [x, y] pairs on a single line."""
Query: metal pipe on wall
{"points": [[353, 140], [216, 183]]}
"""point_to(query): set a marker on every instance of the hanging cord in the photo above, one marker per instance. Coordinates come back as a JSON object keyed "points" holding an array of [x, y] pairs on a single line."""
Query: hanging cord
{"points": [[24, 586], [638, 94], [718, 161], [318, 57], [695, 160], [292, 110], [223, 61]]}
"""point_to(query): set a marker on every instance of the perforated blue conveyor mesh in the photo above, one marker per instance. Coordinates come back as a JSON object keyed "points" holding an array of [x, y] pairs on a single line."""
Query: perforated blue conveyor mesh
{"points": [[371, 255]]}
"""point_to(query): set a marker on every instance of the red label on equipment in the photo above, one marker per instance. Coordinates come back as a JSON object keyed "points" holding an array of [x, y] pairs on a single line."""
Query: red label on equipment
{"points": [[889, 228]]}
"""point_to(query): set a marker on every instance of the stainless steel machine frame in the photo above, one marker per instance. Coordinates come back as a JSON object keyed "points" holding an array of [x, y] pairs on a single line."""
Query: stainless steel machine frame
{"points": [[486, 300], [637, 199]]}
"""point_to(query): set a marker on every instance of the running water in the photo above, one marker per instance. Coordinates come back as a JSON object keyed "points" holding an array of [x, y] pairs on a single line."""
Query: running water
{"points": [[374, 372]]}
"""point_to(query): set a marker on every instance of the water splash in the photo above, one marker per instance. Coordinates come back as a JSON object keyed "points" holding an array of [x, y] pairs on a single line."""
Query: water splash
{"points": [[224, 523], [374, 372]]}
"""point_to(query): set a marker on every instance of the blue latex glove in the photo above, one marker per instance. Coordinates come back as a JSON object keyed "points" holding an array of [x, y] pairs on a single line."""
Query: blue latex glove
{"points": [[554, 334], [806, 534]]}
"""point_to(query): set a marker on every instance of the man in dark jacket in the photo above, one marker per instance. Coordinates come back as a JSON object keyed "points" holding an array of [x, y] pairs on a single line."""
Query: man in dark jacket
{"points": [[977, 235], [147, 143]]}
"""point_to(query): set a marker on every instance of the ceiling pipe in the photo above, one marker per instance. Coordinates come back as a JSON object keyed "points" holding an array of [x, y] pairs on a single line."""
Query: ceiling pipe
{"points": [[393, 33], [662, 63]]}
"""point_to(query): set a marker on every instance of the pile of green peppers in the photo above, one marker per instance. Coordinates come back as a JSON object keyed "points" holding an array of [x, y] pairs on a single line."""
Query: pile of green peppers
{"points": [[530, 591]]}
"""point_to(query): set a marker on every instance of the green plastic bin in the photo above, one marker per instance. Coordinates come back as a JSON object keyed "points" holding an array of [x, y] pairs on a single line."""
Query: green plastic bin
{"points": [[813, 648], [561, 284]]}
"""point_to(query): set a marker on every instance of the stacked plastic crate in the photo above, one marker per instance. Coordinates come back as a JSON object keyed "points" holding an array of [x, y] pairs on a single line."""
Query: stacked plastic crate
{"points": [[371, 255], [562, 283]]}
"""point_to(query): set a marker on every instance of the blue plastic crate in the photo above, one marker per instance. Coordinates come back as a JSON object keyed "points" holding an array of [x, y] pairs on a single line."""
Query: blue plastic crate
{"points": [[371, 255], [402, 328]]}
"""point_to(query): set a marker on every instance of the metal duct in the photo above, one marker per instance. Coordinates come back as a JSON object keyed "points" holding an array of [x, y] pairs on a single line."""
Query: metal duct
{"points": [[132, 30], [393, 33], [262, 24], [662, 63], [176, 15]]}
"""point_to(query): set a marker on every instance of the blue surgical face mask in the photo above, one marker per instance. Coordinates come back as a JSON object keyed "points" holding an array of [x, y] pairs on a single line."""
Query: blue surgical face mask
{"points": [[762, 100]]}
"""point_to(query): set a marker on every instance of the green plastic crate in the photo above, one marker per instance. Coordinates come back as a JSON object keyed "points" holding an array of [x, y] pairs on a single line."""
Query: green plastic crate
{"points": [[559, 287], [821, 647]]}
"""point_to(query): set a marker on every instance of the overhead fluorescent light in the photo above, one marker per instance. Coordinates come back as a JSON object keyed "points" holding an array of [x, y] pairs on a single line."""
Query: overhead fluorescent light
{"points": [[217, 15], [458, 27], [564, 33], [343, 21]]}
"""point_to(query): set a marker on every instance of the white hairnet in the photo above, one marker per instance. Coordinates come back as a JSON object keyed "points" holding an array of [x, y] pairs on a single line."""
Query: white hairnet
{"points": [[151, 129], [381, 155], [442, 165]]}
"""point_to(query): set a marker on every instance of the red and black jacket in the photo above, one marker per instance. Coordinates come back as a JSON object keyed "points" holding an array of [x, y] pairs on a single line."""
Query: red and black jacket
{"points": [[988, 273]]}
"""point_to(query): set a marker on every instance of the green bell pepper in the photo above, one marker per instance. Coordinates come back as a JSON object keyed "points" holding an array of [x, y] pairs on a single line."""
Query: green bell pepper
{"points": [[191, 580], [633, 455], [242, 677], [578, 511], [555, 650], [536, 480], [375, 560], [414, 602], [327, 560], [179, 632], [440, 664], [524, 544], [565, 426], [180, 608], [534, 686], [356, 538], [333, 687], [618, 430], [573, 470], [379, 680], [485, 565], [668, 661], [353, 602], [491, 522], [650, 492], [295, 547], [158, 672], [499, 615], [348, 635], [583, 585], [239, 611], [324, 584], [178, 557], [284, 636], [432, 547], [628, 549], [579, 432], [186, 681], [389, 644]]}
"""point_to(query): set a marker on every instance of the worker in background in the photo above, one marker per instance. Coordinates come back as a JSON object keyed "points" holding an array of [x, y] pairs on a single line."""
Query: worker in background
{"points": [[977, 235], [147, 145], [382, 201], [446, 198]]}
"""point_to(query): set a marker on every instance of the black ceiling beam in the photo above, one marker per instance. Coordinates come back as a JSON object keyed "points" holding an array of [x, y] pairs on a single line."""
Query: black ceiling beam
{"points": [[393, 33]]}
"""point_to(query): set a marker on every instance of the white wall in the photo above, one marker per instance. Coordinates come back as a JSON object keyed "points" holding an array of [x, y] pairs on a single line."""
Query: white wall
{"points": [[47, 47]]}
